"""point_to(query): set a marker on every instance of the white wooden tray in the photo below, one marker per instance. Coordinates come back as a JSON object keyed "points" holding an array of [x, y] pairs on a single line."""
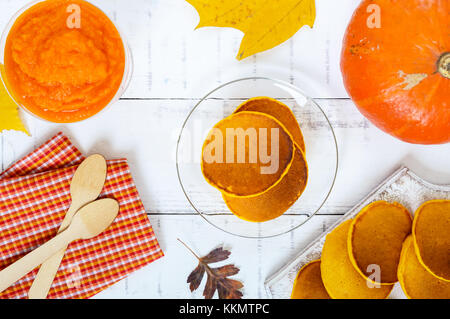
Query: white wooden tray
{"points": [[403, 187]]}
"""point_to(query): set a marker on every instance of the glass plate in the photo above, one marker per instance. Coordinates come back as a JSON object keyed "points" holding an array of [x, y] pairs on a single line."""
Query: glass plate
{"points": [[321, 155]]}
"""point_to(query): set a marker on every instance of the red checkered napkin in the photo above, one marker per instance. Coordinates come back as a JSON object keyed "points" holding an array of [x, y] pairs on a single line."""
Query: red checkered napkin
{"points": [[34, 197]]}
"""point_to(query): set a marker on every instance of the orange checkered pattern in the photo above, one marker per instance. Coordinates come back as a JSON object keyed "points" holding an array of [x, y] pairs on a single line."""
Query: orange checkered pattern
{"points": [[34, 197]]}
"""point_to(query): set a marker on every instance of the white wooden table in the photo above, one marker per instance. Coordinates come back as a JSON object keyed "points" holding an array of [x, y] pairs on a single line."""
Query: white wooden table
{"points": [[174, 67]]}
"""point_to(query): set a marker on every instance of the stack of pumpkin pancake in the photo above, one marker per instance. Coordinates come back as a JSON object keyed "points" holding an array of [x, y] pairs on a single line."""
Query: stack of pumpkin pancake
{"points": [[364, 257], [254, 189]]}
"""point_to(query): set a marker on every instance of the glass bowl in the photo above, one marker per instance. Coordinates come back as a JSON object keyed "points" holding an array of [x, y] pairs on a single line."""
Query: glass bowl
{"points": [[127, 74], [321, 155]]}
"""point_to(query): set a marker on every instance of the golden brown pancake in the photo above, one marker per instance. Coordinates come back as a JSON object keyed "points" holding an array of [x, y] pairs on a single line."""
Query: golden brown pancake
{"points": [[431, 234], [308, 284], [376, 237], [340, 278], [278, 199], [278, 110], [235, 165], [416, 281]]}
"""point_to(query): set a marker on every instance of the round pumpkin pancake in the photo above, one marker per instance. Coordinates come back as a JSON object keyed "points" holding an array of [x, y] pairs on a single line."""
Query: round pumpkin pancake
{"points": [[340, 278], [247, 154], [308, 284], [376, 237], [278, 110], [278, 199], [431, 234], [416, 281]]}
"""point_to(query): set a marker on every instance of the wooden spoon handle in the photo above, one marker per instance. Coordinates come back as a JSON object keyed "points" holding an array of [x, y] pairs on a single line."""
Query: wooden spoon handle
{"points": [[48, 270], [23, 266], [86, 186], [44, 278]]}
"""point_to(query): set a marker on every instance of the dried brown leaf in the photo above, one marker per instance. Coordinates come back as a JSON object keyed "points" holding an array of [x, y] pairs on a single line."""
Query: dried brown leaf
{"points": [[230, 288], [217, 278], [218, 254], [210, 288], [196, 277], [226, 271]]}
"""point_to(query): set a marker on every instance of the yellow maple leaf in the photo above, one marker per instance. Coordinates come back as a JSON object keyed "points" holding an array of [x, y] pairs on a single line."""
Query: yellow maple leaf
{"points": [[9, 113], [265, 23]]}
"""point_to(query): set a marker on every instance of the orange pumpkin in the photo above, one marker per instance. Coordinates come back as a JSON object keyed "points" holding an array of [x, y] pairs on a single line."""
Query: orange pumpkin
{"points": [[396, 67]]}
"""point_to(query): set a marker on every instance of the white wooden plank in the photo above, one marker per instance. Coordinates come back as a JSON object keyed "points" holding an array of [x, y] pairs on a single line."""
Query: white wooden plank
{"points": [[257, 259], [146, 132], [173, 60], [14, 145], [174, 67]]}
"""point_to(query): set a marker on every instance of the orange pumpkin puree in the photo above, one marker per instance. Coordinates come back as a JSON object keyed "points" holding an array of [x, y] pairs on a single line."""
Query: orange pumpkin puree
{"points": [[59, 72]]}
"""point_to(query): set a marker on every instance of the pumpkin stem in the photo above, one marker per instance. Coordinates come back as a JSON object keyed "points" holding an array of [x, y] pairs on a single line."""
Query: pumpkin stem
{"points": [[444, 65]]}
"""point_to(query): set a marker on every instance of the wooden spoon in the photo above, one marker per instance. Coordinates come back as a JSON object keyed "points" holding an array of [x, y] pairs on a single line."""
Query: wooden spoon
{"points": [[89, 222], [86, 186]]}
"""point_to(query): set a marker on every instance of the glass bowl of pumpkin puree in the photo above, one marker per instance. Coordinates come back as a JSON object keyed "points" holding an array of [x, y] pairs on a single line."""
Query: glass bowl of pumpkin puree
{"points": [[64, 60]]}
